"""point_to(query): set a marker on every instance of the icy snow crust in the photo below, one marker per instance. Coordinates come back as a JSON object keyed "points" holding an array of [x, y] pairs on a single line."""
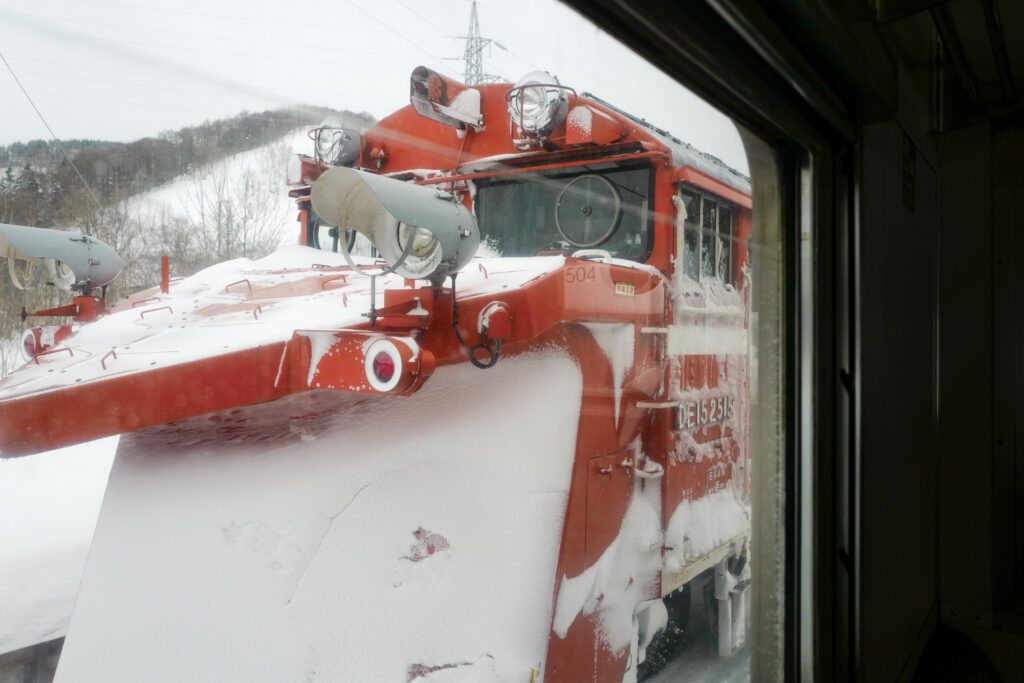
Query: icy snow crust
{"points": [[338, 537], [710, 318], [238, 305]]}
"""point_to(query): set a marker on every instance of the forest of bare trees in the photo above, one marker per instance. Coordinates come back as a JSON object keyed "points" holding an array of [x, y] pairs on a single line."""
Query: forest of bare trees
{"points": [[216, 210]]}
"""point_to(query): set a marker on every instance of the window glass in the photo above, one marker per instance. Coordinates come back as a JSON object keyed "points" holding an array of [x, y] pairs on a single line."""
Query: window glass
{"points": [[692, 204], [551, 465], [691, 235], [602, 207], [709, 237], [725, 244]]}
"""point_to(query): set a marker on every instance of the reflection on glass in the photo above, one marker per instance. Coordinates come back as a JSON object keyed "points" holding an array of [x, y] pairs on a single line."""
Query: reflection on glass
{"points": [[615, 437], [725, 244], [707, 244], [588, 210], [590, 206], [691, 246]]}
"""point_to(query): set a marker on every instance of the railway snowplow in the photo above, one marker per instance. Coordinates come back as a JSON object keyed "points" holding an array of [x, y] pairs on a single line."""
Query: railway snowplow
{"points": [[488, 420]]}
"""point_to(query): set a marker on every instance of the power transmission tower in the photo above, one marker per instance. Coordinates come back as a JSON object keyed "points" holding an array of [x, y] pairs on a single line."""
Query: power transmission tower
{"points": [[474, 54]]}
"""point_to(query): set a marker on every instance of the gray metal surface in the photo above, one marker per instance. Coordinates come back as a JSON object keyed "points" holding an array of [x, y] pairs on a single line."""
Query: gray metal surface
{"points": [[93, 262], [376, 206]]}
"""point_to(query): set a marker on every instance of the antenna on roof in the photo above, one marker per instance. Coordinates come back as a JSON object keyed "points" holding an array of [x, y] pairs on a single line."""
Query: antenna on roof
{"points": [[474, 56]]}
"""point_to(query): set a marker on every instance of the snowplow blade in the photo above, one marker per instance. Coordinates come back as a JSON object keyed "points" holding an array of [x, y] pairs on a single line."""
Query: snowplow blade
{"points": [[335, 536]]}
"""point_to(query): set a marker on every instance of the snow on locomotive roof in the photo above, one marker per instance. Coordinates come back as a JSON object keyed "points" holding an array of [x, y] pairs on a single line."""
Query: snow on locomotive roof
{"points": [[685, 154]]}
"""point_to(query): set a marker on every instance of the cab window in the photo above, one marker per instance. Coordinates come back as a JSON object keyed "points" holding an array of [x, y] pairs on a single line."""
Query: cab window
{"points": [[707, 237], [584, 207]]}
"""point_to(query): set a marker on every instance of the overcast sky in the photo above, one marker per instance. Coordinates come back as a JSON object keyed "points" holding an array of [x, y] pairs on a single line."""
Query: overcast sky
{"points": [[123, 70]]}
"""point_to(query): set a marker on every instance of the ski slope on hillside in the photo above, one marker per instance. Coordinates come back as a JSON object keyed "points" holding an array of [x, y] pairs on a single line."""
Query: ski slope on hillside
{"points": [[239, 203]]}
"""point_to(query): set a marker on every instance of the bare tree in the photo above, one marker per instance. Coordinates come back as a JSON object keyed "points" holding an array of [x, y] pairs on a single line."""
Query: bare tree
{"points": [[238, 211]]}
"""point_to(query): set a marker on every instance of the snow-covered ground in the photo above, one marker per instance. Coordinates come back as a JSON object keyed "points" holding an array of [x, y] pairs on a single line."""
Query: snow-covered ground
{"points": [[48, 508]]}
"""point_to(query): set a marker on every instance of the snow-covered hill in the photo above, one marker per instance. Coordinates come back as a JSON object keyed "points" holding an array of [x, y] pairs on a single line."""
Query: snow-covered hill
{"points": [[235, 207]]}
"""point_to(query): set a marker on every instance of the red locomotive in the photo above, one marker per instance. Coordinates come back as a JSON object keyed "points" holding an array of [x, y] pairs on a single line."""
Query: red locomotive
{"points": [[475, 227]]}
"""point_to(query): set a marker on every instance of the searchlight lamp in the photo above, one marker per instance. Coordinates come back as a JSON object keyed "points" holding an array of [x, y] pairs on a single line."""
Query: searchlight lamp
{"points": [[537, 104], [422, 233], [30, 344], [74, 261], [445, 100], [337, 146]]}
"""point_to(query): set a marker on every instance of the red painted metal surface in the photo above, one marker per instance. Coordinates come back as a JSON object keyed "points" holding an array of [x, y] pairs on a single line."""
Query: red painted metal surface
{"points": [[39, 422]]}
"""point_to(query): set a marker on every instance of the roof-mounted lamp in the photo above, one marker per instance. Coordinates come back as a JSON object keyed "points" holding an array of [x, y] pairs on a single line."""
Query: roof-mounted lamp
{"points": [[72, 260], [422, 233], [445, 100], [537, 105]]}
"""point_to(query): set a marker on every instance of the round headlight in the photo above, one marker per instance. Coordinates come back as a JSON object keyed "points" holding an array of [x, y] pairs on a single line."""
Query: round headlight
{"points": [[537, 103], [337, 146], [30, 344], [384, 365], [424, 254]]}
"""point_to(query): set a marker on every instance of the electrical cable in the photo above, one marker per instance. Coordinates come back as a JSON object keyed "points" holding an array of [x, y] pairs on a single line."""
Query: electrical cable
{"points": [[276, 22], [471, 352], [398, 33], [52, 134], [207, 36], [445, 33]]}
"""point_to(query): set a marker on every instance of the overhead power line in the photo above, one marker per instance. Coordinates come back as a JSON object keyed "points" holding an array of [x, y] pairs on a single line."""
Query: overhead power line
{"points": [[52, 134]]}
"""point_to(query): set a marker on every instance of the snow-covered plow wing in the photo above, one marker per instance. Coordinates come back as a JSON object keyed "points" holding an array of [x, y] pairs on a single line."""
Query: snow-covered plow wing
{"points": [[338, 537], [248, 332]]}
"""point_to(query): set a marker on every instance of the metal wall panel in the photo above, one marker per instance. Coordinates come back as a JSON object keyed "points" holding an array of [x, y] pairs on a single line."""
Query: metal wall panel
{"points": [[898, 464]]}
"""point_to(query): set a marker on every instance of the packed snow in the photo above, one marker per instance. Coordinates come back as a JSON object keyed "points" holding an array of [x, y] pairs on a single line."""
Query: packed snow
{"points": [[617, 342], [332, 536], [621, 577], [48, 508], [699, 526]]}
